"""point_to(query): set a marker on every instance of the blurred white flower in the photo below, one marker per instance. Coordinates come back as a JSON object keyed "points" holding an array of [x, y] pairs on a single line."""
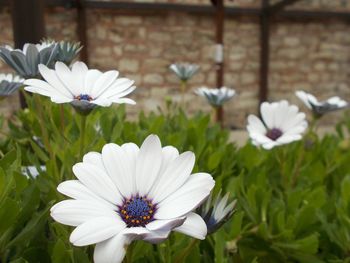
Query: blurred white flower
{"points": [[25, 61], [216, 97], [82, 87], [281, 124], [128, 193], [216, 212], [321, 107], [32, 171], [67, 50], [9, 83], [184, 71]]}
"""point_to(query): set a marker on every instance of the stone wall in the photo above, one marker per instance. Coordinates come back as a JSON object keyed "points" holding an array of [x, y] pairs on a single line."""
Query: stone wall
{"points": [[305, 54]]}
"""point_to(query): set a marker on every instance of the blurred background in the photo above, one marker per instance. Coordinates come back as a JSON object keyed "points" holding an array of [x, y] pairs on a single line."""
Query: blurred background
{"points": [[271, 48]]}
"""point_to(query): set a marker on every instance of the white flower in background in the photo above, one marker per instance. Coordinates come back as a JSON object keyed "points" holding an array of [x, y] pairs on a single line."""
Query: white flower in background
{"points": [[216, 213], [216, 97], [128, 193], [321, 107], [67, 51], [9, 83], [184, 71], [33, 171], [82, 87], [25, 61], [281, 124]]}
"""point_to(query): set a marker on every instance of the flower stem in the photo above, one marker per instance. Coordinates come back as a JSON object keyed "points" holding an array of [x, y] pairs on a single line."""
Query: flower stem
{"points": [[82, 134], [130, 250], [186, 251], [62, 119], [183, 90]]}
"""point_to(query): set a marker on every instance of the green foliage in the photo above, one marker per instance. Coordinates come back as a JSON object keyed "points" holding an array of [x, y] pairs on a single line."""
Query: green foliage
{"points": [[293, 201]]}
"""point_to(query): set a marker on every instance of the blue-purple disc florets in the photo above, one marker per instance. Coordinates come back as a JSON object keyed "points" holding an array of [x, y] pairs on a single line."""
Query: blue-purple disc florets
{"points": [[83, 97], [137, 211], [274, 134]]}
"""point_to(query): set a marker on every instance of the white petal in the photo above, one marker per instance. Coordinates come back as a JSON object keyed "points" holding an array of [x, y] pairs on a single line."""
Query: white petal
{"points": [[255, 124], [194, 226], [148, 164], [173, 177], [50, 76], [165, 225], [112, 250], [96, 230], [266, 110], [79, 71], [44, 88], [103, 83], [97, 181], [94, 158], [90, 78], [66, 77], [187, 198], [76, 212], [120, 167], [123, 100], [75, 189]]}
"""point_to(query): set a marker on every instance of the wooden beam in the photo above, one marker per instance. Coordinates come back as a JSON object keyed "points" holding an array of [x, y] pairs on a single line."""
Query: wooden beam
{"points": [[219, 35], [28, 25], [264, 52], [279, 6], [82, 30]]}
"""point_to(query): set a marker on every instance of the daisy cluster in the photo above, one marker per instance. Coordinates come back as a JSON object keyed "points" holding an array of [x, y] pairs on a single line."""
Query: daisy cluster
{"points": [[126, 192]]}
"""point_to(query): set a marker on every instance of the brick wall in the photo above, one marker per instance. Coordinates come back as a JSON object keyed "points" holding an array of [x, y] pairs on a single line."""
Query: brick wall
{"points": [[305, 54]]}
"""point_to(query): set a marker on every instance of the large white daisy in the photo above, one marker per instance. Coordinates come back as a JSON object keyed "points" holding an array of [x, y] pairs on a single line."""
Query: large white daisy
{"points": [[81, 86], [321, 107], [281, 124], [127, 193]]}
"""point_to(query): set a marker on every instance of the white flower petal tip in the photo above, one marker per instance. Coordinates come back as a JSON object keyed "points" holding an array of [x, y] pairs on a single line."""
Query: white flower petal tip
{"points": [[129, 193], [320, 108], [216, 97], [281, 124], [84, 88], [184, 71]]}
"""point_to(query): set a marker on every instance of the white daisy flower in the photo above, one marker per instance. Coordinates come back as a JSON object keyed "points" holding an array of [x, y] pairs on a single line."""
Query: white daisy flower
{"points": [[281, 124], [216, 97], [25, 61], [82, 87], [184, 71], [9, 83], [321, 107], [128, 193]]}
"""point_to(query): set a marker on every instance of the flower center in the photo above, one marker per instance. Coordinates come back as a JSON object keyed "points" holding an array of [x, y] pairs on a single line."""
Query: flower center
{"points": [[274, 134], [137, 211], [83, 97]]}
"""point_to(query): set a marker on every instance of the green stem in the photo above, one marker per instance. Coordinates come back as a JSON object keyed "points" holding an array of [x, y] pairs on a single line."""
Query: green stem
{"points": [[45, 135], [296, 171], [186, 251], [62, 119], [82, 134], [183, 90], [129, 253]]}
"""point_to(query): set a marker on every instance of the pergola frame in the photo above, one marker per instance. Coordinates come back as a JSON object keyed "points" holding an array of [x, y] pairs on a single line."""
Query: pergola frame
{"points": [[264, 13]]}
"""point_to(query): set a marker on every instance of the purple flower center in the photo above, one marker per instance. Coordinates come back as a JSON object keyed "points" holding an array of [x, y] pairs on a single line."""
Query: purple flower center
{"points": [[274, 134], [83, 97], [137, 211]]}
